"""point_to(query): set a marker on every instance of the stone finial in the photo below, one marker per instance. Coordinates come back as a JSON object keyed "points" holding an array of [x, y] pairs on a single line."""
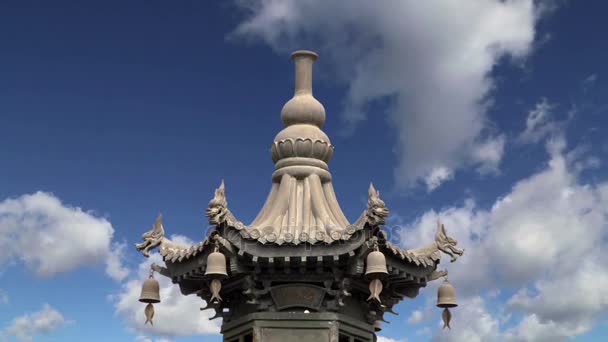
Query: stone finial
{"points": [[303, 116], [303, 108], [304, 60]]}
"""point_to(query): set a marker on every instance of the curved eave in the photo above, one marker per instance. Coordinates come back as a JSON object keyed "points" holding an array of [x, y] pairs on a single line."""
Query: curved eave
{"points": [[176, 253], [431, 259], [256, 233], [248, 245]]}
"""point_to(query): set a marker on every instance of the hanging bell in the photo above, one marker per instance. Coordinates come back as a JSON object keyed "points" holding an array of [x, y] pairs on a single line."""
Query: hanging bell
{"points": [[376, 265], [446, 295], [446, 298], [216, 265], [377, 325], [150, 293], [216, 271]]}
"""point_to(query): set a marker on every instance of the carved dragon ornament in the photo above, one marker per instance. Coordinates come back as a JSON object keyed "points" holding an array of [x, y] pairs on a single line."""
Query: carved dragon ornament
{"points": [[443, 243], [155, 237], [376, 211], [152, 238], [218, 206]]}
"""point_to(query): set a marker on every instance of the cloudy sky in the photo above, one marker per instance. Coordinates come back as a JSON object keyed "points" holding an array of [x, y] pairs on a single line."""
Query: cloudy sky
{"points": [[488, 114]]}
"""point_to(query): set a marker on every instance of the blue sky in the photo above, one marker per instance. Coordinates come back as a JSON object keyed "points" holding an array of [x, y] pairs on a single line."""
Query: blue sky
{"points": [[488, 114]]}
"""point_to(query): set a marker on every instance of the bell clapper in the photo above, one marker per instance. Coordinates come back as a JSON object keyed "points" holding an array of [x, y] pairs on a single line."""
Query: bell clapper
{"points": [[149, 311], [375, 288], [215, 287], [447, 317]]}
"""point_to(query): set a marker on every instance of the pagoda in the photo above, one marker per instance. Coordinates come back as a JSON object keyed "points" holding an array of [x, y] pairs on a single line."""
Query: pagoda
{"points": [[301, 271]]}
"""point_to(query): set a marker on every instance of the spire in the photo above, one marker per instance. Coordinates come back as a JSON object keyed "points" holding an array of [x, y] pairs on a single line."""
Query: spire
{"points": [[303, 116], [304, 60], [302, 205], [303, 108]]}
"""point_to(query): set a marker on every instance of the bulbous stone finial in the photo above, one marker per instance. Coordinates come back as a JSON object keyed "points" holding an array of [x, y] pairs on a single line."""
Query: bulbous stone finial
{"points": [[303, 108], [303, 116], [302, 206]]}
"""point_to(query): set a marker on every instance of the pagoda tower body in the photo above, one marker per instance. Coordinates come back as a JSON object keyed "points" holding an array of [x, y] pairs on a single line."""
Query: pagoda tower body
{"points": [[300, 271]]}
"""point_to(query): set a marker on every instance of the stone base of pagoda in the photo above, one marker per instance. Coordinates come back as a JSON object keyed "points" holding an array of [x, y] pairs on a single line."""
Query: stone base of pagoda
{"points": [[297, 327]]}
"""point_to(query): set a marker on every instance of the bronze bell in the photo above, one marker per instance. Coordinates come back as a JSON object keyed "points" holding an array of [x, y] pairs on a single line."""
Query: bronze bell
{"points": [[376, 265], [216, 265], [150, 291], [377, 325], [446, 295], [446, 298]]}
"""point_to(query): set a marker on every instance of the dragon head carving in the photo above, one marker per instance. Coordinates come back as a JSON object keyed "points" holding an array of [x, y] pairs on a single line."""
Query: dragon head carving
{"points": [[218, 206], [153, 237], [447, 244], [376, 209]]}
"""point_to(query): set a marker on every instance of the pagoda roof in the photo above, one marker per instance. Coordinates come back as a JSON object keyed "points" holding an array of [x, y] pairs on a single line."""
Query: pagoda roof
{"points": [[301, 217], [427, 256]]}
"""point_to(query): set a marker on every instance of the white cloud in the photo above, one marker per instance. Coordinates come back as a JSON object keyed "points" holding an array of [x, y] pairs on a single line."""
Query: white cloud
{"points": [[544, 240], [176, 315], [539, 123], [568, 301], [424, 331], [489, 154], [532, 329], [432, 59], [437, 176], [416, 317], [114, 267], [41, 322], [386, 339], [50, 237], [142, 338]]}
